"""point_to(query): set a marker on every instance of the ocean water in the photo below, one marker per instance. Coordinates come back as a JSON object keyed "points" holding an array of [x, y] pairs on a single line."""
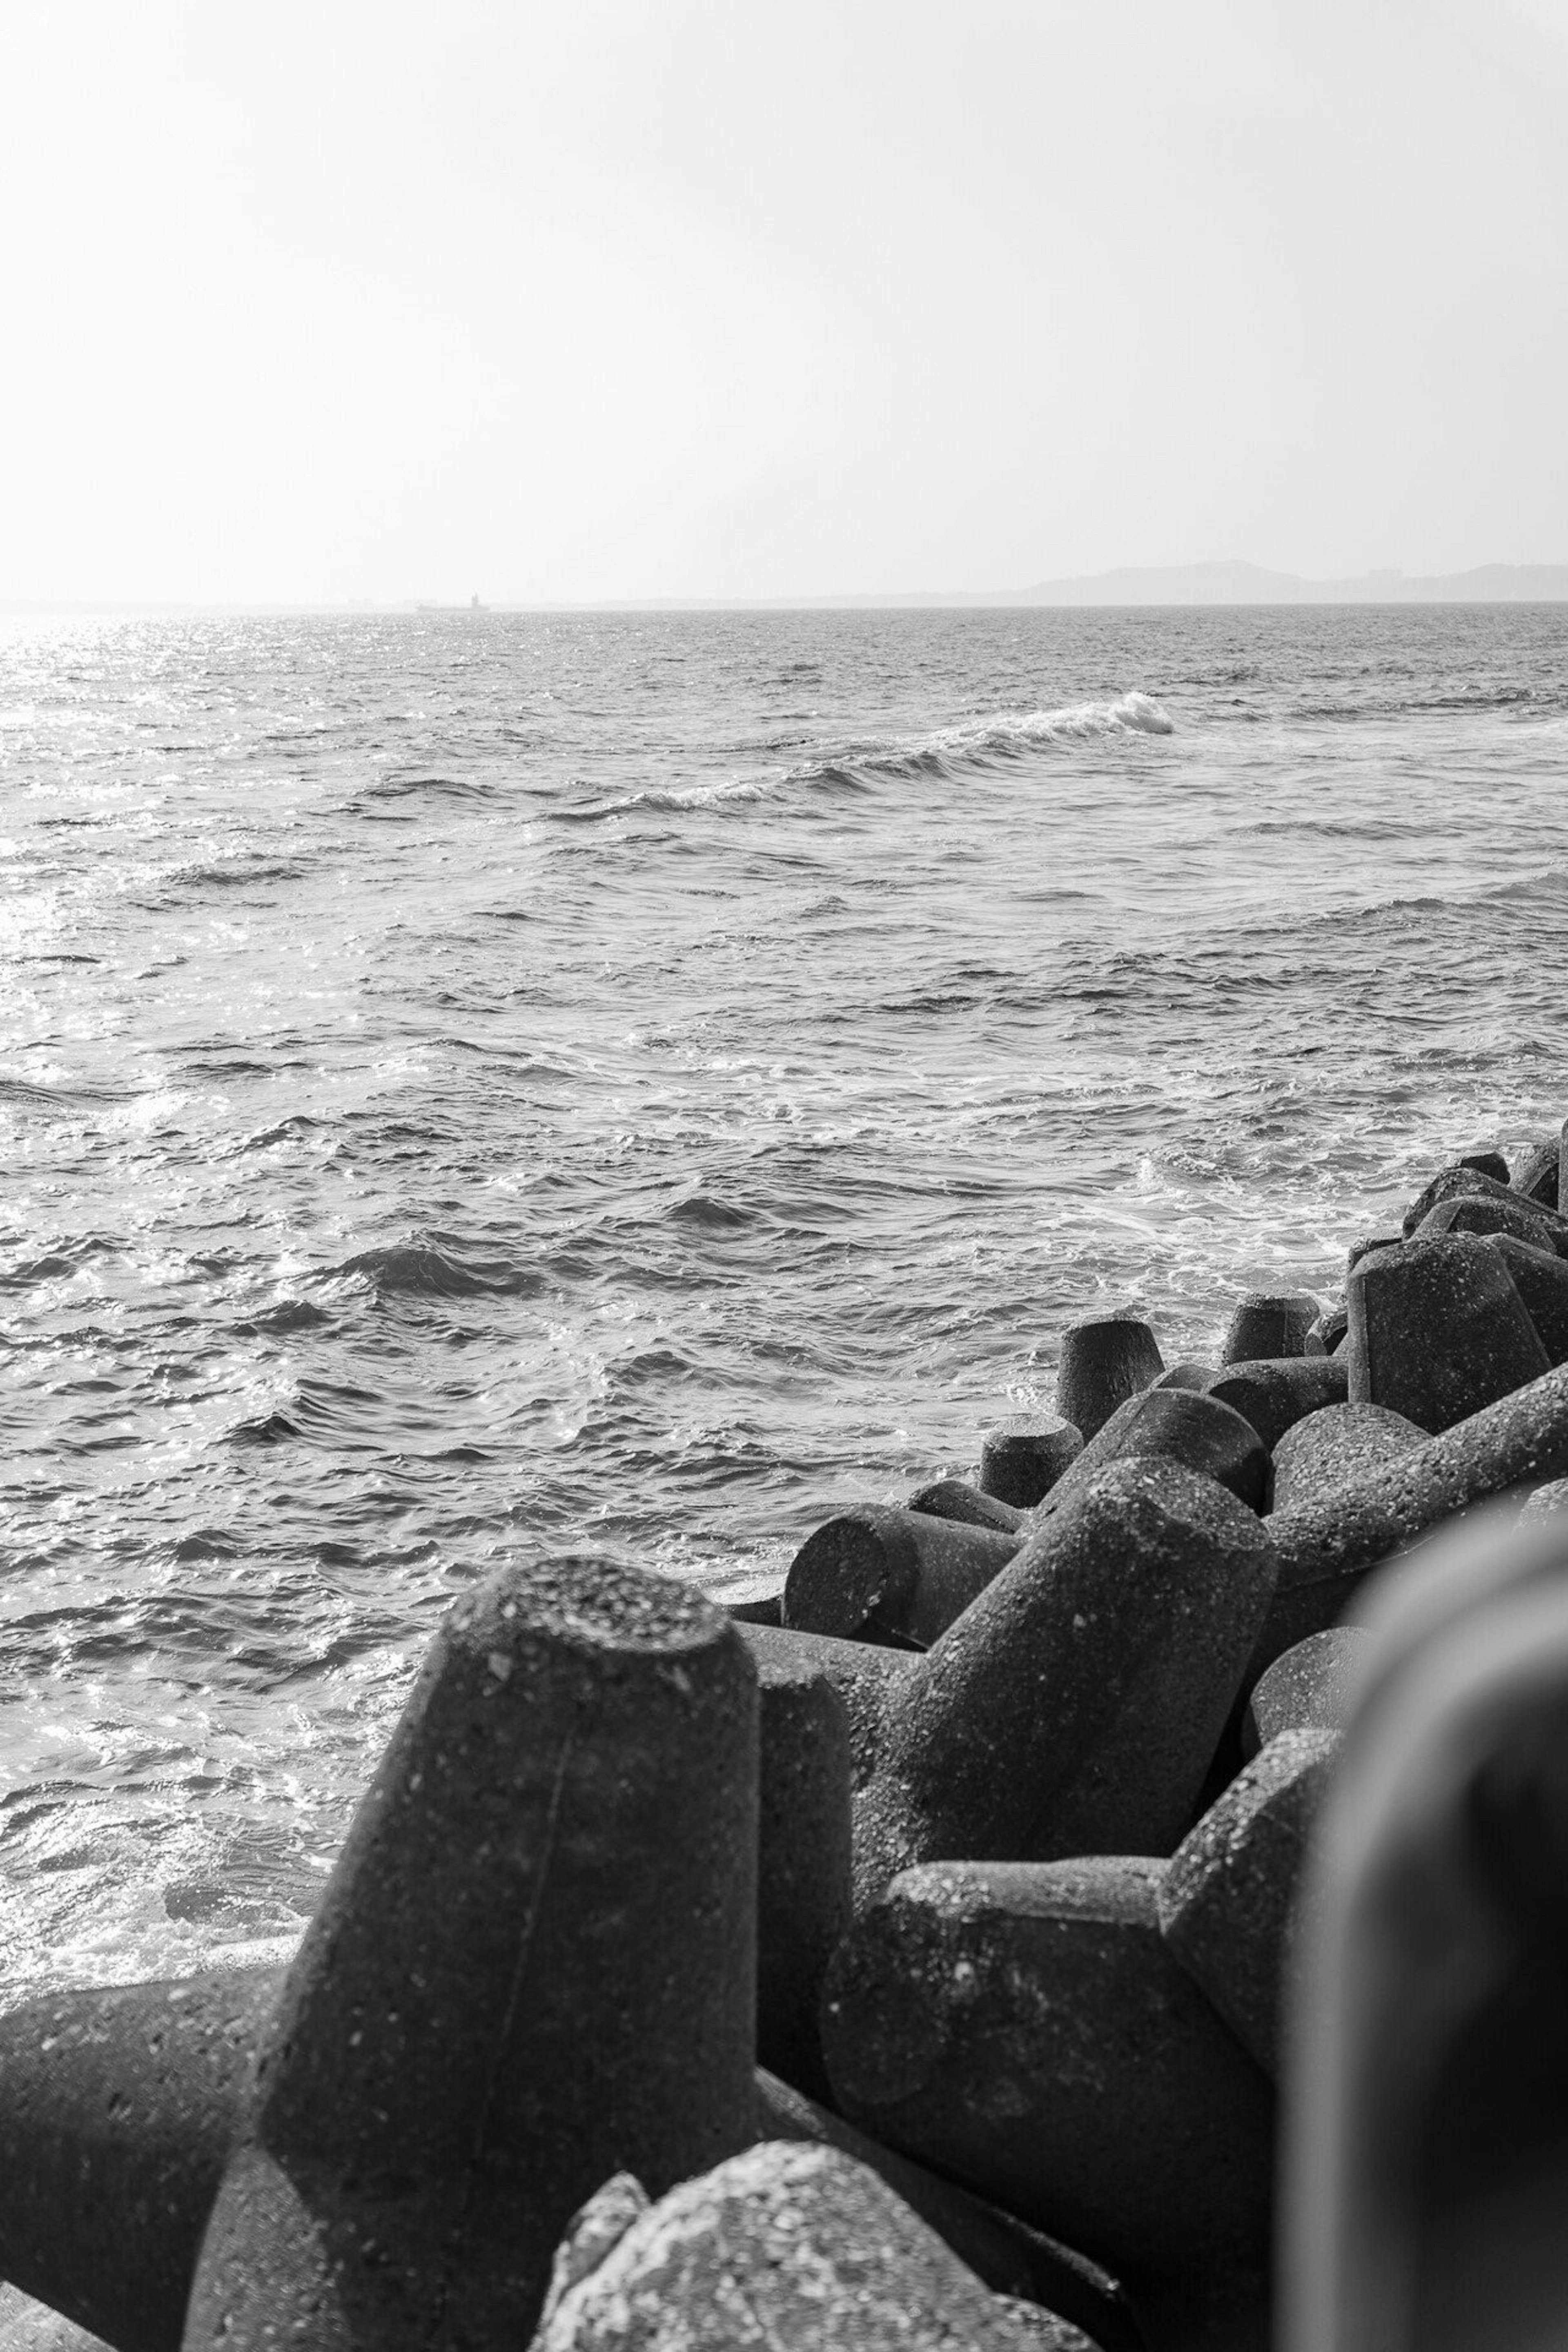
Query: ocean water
{"points": [[475, 1084]]}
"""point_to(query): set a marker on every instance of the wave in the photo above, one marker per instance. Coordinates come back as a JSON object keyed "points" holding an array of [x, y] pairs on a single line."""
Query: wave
{"points": [[440, 1268], [949, 752]]}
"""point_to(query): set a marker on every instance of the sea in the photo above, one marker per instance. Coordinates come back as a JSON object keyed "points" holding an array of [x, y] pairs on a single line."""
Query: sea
{"points": [[477, 1085]]}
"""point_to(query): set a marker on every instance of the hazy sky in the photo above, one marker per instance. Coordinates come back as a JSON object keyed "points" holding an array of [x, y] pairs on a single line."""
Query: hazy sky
{"points": [[617, 297]]}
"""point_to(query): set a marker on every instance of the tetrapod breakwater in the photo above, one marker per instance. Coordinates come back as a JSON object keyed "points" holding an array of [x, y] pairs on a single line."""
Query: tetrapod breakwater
{"points": [[915, 1953]]}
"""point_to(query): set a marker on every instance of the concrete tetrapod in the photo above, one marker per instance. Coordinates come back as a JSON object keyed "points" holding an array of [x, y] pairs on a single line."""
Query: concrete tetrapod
{"points": [[1176, 1426], [782, 2247], [1327, 1546], [1274, 1393], [1024, 2028], [1336, 1446], [1102, 1364], [1311, 1687], [1075, 1706], [118, 2109], [1227, 1899], [1427, 2145], [1540, 1278], [1464, 1182], [1519, 1219], [1009, 2254], [866, 1676], [534, 1965], [802, 1862], [1267, 1324], [1021, 1460], [956, 1498], [1536, 1175], [1437, 1330], [890, 1575]]}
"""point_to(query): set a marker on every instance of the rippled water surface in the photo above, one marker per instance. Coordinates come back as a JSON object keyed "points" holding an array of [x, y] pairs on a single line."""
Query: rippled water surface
{"points": [[476, 1084]]}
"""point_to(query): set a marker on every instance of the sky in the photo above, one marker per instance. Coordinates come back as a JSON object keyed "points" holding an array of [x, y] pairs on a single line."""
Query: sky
{"points": [[623, 299]]}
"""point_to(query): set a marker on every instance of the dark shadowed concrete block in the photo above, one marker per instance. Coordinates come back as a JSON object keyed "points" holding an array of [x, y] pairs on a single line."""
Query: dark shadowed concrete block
{"points": [[1227, 1899], [1437, 1330], [1540, 1278], [1309, 1687], [1179, 1426], [533, 1966], [862, 1673], [1075, 1706], [1011, 2256], [118, 2110], [1188, 1374], [802, 1862], [1427, 2146], [1021, 1460], [1267, 1323], [1326, 1546], [1274, 1395], [1506, 1215], [1536, 1174], [1026, 2029], [883, 1574], [1490, 1162], [956, 1498], [1102, 1364], [1337, 1447]]}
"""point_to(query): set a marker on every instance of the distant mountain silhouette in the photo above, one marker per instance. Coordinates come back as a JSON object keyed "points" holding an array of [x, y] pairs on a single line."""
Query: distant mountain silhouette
{"points": [[1250, 583]]}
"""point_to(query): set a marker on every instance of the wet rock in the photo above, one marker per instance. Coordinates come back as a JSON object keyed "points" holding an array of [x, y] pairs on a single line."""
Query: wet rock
{"points": [[890, 1575], [1274, 1395], [785, 2248], [1102, 1364], [1026, 2028], [956, 1498], [1010, 2256], [802, 1862], [1225, 1902], [1326, 1546], [1309, 1687], [1268, 1324], [864, 1674], [534, 1965], [1021, 1460], [1336, 1447], [118, 2110], [1536, 1175], [1437, 1330], [1074, 1707], [1540, 1278]]}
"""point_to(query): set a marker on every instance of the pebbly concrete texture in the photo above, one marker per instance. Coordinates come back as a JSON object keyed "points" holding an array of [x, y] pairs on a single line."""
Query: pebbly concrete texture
{"points": [[1437, 1330], [1225, 1902], [1176, 1426], [1274, 1393], [1311, 1687], [1021, 1460], [534, 1965], [1327, 1546], [1269, 1324], [1535, 1176], [29, 2326], [1103, 1363], [1008, 2254], [1075, 1706], [884, 1574], [784, 2248], [956, 1498], [1026, 2027], [118, 2109], [1540, 1278], [1337, 1445], [802, 1862], [866, 1676]]}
